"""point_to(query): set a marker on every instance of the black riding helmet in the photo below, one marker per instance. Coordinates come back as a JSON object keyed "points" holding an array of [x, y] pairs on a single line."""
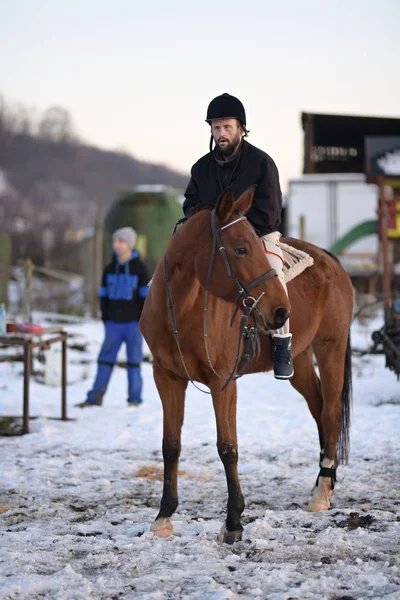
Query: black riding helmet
{"points": [[226, 107]]}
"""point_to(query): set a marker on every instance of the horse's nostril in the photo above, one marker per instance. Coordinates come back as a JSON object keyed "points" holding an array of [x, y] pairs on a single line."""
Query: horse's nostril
{"points": [[281, 315]]}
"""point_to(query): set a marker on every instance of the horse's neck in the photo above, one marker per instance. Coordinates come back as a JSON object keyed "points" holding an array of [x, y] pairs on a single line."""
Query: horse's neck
{"points": [[186, 289]]}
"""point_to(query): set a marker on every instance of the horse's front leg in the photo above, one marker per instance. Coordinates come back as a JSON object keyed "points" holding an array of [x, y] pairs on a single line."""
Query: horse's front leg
{"points": [[172, 393], [225, 414]]}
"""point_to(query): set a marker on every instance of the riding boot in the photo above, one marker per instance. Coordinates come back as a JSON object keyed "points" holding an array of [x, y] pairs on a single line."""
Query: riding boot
{"points": [[281, 338], [282, 353]]}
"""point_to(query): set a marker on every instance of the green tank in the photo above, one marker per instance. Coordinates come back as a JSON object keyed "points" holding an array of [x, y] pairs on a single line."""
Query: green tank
{"points": [[152, 211]]}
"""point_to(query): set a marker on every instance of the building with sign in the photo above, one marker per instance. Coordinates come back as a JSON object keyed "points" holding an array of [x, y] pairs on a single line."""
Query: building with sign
{"points": [[348, 201], [337, 143], [335, 203]]}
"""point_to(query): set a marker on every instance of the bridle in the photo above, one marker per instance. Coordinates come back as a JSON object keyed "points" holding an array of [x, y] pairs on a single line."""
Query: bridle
{"points": [[249, 302]]}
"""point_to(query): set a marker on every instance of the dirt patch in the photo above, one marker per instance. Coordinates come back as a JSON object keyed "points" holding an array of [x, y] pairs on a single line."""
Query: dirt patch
{"points": [[355, 520], [391, 401], [153, 473]]}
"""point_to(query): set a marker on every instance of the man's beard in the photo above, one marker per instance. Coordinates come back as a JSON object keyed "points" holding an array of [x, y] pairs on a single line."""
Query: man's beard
{"points": [[230, 148]]}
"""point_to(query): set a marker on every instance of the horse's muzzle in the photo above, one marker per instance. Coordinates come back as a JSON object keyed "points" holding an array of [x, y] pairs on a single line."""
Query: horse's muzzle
{"points": [[280, 317]]}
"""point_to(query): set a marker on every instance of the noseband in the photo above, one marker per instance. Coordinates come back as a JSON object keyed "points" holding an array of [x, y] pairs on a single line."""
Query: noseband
{"points": [[249, 302]]}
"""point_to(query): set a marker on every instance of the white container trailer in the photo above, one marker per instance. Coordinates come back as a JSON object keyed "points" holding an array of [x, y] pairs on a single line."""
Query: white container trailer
{"points": [[332, 205]]}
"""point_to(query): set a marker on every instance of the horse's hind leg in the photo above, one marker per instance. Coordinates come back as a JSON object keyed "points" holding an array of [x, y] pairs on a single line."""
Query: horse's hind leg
{"points": [[307, 383], [334, 361], [225, 414], [172, 394]]}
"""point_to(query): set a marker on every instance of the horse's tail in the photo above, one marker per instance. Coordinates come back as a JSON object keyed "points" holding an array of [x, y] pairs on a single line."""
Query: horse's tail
{"points": [[343, 445]]}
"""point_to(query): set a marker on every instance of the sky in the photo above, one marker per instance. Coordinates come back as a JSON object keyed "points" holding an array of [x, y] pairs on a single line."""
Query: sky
{"points": [[138, 76]]}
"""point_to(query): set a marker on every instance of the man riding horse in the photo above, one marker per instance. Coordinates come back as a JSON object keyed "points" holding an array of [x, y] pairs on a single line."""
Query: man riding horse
{"points": [[238, 165]]}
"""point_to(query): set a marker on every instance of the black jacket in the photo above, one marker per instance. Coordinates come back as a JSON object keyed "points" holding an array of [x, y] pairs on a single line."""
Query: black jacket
{"points": [[253, 167], [123, 290]]}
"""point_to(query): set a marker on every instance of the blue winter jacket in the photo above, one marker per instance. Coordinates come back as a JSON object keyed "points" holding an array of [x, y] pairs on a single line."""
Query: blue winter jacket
{"points": [[123, 290]]}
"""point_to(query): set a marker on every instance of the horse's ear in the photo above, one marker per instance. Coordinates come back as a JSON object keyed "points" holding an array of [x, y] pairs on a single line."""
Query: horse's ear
{"points": [[225, 206], [244, 202]]}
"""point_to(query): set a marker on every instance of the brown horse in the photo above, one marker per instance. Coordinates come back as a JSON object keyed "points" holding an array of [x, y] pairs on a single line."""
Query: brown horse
{"points": [[189, 334]]}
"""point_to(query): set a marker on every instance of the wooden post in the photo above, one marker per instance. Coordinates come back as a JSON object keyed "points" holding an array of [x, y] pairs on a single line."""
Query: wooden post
{"points": [[64, 377], [384, 219], [28, 269], [27, 375]]}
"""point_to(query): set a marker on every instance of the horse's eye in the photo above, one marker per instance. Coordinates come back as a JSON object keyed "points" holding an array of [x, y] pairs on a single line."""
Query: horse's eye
{"points": [[241, 251]]}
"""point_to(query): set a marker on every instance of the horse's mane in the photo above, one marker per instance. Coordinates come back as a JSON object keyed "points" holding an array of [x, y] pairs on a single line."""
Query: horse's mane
{"points": [[199, 207], [331, 255]]}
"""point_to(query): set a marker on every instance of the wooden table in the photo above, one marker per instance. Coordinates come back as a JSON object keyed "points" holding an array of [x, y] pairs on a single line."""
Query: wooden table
{"points": [[42, 340]]}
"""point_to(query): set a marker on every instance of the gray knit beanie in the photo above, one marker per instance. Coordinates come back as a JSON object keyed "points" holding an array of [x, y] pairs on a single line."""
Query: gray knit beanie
{"points": [[128, 234]]}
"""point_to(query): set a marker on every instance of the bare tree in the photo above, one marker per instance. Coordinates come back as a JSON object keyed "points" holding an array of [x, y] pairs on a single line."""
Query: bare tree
{"points": [[16, 119], [56, 125]]}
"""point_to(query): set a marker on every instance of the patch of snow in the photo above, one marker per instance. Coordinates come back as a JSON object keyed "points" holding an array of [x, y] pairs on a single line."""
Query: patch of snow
{"points": [[77, 498]]}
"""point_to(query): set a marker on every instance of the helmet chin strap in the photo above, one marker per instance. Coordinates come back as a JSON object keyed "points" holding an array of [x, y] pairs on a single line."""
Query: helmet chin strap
{"points": [[211, 142]]}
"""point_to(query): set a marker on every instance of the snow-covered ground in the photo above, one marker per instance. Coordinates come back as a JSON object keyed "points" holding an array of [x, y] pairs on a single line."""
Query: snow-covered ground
{"points": [[77, 498]]}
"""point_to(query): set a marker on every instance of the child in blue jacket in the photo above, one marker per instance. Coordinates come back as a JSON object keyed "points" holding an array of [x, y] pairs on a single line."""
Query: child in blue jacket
{"points": [[122, 293]]}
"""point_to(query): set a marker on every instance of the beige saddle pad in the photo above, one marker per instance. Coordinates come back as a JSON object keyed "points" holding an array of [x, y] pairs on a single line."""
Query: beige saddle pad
{"points": [[296, 261]]}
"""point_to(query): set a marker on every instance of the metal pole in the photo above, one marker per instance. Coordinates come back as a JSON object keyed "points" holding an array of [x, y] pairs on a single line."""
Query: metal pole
{"points": [[302, 227], [332, 195], [27, 375], [64, 378]]}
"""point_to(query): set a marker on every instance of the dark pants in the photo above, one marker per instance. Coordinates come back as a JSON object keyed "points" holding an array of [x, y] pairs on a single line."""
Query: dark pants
{"points": [[116, 334]]}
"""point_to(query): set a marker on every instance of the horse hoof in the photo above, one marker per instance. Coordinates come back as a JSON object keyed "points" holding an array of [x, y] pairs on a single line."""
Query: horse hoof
{"points": [[162, 528], [229, 537], [320, 496], [317, 506], [318, 502]]}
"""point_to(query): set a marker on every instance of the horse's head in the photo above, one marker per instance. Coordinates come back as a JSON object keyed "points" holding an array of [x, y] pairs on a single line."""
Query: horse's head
{"points": [[234, 257]]}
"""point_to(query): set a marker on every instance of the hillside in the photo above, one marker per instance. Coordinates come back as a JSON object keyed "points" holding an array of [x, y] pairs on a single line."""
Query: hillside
{"points": [[68, 177], [52, 184]]}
